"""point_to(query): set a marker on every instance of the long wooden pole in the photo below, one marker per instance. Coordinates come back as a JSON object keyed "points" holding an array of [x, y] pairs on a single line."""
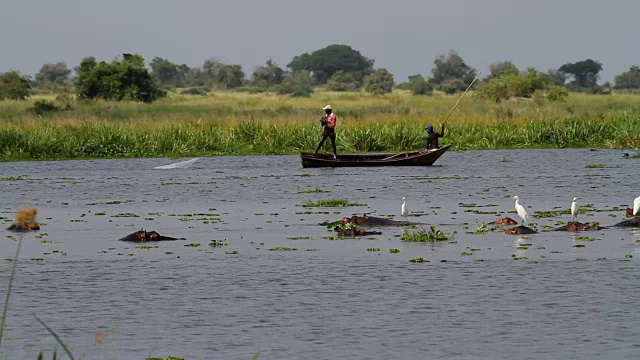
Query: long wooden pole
{"points": [[461, 96]]}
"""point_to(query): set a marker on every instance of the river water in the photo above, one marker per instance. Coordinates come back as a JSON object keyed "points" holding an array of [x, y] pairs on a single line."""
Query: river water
{"points": [[329, 299]]}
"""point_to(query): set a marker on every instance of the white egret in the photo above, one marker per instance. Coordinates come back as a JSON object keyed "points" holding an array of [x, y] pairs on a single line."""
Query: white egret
{"points": [[404, 211], [575, 209], [522, 212], [636, 206]]}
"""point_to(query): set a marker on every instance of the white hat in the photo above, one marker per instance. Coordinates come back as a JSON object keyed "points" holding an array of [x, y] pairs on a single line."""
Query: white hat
{"points": [[328, 107]]}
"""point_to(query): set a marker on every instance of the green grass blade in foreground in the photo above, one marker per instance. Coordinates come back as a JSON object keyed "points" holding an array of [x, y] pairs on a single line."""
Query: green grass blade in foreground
{"points": [[6, 299], [50, 330]]}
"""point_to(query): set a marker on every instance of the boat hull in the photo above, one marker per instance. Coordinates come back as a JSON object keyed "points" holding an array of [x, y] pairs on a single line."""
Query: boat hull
{"points": [[412, 158]]}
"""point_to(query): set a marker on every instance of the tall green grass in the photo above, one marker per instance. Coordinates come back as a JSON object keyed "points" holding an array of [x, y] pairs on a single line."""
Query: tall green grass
{"points": [[243, 124]]}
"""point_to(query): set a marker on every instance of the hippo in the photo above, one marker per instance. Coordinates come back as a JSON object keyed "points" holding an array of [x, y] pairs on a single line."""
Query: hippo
{"points": [[520, 230], [504, 221], [146, 236], [353, 232], [629, 211], [634, 222], [574, 226], [367, 220]]}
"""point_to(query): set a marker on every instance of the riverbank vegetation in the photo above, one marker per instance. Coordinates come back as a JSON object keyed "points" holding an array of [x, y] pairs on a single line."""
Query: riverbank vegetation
{"points": [[124, 109], [231, 123]]}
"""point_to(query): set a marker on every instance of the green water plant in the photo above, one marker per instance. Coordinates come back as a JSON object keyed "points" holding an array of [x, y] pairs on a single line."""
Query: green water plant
{"points": [[423, 235]]}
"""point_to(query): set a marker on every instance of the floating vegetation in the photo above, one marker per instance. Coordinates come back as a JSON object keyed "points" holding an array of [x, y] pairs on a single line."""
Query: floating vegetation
{"points": [[482, 229], [14, 178], [515, 257], [168, 253], [532, 262], [218, 243], [394, 251], [628, 256], [373, 249], [234, 252], [125, 215], [282, 249], [333, 238], [299, 238], [422, 235], [466, 253], [192, 245], [310, 191], [419, 260], [331, 203], [581, 259], [114, 202], [480, 212], [601, 166], [578, 245], [102, 213], [146, 247]]}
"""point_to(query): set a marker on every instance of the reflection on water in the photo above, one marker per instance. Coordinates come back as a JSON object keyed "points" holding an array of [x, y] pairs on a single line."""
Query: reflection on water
{"points": [[506, 297]]}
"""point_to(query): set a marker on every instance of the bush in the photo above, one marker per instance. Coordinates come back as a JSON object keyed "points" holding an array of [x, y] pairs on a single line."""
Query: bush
{"points": [[343, 81], [195, 91], [13, 86], [379, 83], [42, 107], [297, 84], [556, 93], [453, 85], [419, 86], [518, 85], [128, 79]]}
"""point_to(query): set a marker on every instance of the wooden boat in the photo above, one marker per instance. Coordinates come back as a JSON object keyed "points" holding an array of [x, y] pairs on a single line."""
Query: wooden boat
{"points": [[422, 157]]}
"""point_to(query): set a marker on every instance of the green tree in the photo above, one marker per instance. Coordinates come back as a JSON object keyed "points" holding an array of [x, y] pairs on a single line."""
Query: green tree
{"points": [[379, 83], [126, 79], [297, 84], [168, 73], [323, 63], [556, 77], [525, 84], [343, 81], [228, 76], [451, 72], [584, 73], [629, 79], [500, 68], [267, 75], [53, 74], [14, 86], [419, 85]]}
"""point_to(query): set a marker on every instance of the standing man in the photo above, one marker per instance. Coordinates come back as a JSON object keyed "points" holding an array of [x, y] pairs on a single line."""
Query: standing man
{"points": [[329, 124]]}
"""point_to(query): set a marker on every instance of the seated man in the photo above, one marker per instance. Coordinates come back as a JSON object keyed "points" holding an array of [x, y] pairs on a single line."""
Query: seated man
{"points": [[432, 137]]}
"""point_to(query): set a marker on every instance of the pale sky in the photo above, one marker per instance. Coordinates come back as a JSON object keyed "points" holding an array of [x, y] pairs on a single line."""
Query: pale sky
{"points": [[402, 35]]}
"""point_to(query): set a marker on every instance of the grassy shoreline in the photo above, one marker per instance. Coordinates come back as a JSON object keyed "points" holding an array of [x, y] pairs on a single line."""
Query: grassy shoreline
{"points": [[263, 124]]}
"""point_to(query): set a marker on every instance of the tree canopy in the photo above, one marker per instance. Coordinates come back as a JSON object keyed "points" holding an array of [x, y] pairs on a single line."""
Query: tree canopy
{"points": [[451, 73], [57, 74], [629, 79], [379, 83], [14, 86], [323, 63], [500, 68], [169, 73], [584, 73], [267, 75], [126, 79]]}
